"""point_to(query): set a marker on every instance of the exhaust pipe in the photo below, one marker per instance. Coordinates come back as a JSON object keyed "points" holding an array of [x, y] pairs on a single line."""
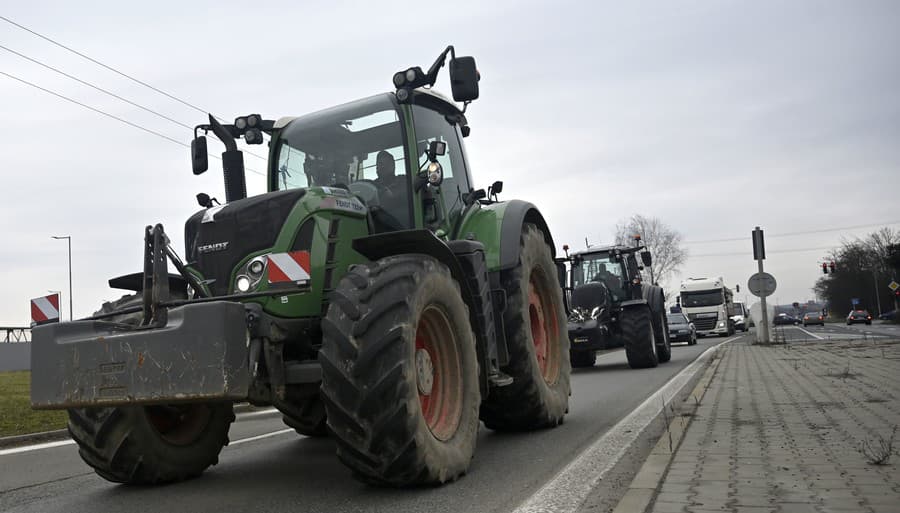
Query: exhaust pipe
{"points": [[232, 163]]}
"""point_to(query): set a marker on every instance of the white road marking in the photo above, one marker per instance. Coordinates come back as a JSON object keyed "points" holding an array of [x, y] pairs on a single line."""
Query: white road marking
{"points": [[567, 491], [260, 437], [259, 413], [811, 334], [36, 447], [60, 443]]}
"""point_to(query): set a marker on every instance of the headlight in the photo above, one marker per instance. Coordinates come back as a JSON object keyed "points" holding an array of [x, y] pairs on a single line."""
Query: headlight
{"points": [[721, 324], [435, 173], [257, 266], [243, 283]]}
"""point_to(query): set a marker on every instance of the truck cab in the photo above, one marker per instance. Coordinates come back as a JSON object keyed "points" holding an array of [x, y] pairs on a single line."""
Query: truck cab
{"points": [[708, 304]]}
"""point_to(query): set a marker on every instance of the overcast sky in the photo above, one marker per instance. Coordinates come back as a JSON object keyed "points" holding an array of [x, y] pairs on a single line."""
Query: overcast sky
{"points": [[713, 116]]}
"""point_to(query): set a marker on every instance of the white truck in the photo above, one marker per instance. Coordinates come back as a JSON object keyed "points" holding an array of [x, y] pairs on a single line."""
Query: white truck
{"points": [[708, 304]]}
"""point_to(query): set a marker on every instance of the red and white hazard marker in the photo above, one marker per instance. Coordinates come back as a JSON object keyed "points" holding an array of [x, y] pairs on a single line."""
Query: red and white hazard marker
{"points": [[289, 267], [45, 309]]}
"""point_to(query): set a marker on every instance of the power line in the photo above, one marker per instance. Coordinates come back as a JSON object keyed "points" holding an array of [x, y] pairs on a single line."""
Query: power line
{"points": [[114, 70], [95, 61], [744, 253], [107, 114], [792, 234], [104, 91]]}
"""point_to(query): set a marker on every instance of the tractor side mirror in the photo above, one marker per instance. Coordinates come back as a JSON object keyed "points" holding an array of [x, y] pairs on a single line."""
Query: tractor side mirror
{"points": [[497, 187], [436, 149], [199, 158], [646, 258], [464, 79]]}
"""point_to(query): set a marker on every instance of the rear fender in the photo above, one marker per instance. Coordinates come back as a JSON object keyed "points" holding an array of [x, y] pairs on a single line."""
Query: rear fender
{"points": [[499, 227]]}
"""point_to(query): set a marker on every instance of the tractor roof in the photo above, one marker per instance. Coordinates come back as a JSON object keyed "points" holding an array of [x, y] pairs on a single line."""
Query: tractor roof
{"points": [[594, 250], [422, 96]]}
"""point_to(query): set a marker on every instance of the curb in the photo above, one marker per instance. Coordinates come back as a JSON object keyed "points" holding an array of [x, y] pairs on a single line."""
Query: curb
{"points": [[597, 478], [62, 434], [646, 483]]}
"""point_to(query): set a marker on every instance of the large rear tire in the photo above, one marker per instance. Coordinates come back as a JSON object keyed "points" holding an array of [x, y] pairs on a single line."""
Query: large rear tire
{"points": [[535, 324], [661, 336], [149, 444], [400, 373], [640, 343]]}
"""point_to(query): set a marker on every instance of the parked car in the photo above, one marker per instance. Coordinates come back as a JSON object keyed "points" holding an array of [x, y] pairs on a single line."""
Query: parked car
{"points": [[857, 316], [681, 329], [888, 316], [785, 319], [813, 318]]}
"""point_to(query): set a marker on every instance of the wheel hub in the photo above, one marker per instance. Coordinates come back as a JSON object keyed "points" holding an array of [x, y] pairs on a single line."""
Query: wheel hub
{"points": [[424, 371]]}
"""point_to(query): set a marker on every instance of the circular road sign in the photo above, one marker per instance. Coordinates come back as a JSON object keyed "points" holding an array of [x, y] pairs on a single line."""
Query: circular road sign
{"points": [[761, 284]]}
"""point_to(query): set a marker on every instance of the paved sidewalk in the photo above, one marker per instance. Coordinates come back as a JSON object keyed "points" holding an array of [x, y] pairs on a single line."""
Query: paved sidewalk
{"points": [[780, 428]]}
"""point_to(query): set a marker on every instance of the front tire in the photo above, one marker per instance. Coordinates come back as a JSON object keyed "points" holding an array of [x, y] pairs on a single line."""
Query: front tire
{"points": [[151, 444], [400, 373], [535, 325], [640, 343]]}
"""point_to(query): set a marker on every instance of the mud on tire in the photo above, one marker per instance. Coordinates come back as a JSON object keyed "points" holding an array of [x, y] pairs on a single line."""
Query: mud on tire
{"points": [[637, 332], [400, 373], [535, 324]]}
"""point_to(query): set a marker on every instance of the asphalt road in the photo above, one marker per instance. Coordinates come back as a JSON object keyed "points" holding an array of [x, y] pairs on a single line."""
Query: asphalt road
{"points": [[268, 468], [833, 331]]}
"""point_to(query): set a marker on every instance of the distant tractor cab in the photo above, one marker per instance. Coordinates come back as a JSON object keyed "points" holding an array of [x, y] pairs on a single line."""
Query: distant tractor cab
{"points": [[612, 307], [373, 294]]}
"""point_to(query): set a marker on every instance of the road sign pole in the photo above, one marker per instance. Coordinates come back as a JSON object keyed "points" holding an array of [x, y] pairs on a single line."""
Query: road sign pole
{"points": [[765, 311], [759, 253]]}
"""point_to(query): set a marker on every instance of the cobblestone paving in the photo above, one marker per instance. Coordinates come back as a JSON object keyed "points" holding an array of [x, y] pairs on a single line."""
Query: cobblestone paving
{"points": [[780, 429]]}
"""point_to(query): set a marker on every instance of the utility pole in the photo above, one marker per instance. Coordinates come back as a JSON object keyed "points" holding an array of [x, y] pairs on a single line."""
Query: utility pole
{"points": [[69, 240]]}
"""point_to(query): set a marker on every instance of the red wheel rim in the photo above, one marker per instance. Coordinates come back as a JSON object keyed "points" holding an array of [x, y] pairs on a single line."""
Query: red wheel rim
{"points": [[544, 327], [179, 424], [438, 373]]}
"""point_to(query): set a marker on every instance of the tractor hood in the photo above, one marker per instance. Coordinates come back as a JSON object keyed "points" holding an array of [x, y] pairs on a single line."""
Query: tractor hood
{"points": [[218, 238]]}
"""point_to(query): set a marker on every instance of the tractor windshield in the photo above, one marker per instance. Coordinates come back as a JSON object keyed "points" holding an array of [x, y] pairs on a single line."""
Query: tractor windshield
{"points": [[599, 267], [358, 146]]}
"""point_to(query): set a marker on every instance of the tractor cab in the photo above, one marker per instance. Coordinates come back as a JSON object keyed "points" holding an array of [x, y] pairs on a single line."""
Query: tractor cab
{"points": [[616, 267], [405, 162], [400, 153]]}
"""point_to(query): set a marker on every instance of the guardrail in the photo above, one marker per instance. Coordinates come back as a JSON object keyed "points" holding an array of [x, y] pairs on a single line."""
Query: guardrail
{"points": [[14, 334]]}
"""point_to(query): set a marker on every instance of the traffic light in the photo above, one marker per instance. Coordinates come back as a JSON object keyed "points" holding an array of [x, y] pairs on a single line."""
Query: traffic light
{"points": [[832, 266], [897, 294], [824, 268]]}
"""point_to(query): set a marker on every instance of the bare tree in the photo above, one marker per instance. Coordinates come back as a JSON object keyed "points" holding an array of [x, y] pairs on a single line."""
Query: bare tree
{"points": [[663, 242]]}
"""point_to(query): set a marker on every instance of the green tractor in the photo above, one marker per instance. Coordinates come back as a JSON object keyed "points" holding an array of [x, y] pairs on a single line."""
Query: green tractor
{"points": [[612, 307], [373, 294]]}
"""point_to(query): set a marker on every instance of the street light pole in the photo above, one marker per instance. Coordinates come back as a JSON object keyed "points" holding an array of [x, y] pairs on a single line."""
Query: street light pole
{"points": [[69, 240]]}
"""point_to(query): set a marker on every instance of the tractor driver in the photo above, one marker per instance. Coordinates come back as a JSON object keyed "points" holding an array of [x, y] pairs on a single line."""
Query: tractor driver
{"points": [[611, 280], [386, 168], [392, 194]]}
